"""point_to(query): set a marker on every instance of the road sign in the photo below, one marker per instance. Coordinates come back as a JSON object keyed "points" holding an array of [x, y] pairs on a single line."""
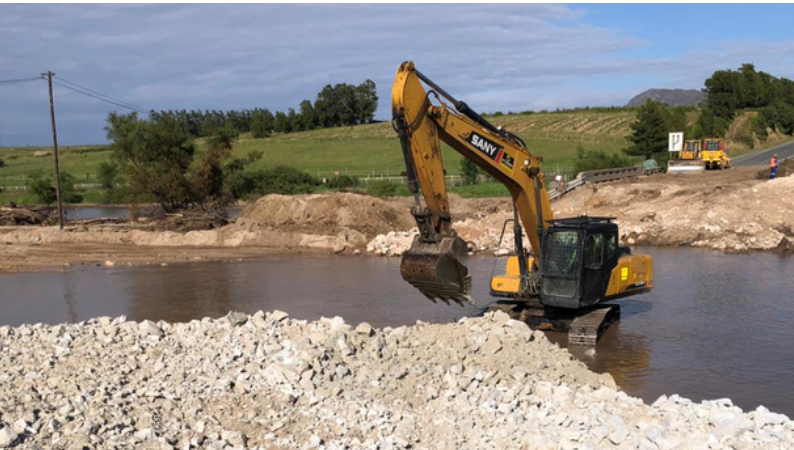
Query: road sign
{"points": [[676, 142]]}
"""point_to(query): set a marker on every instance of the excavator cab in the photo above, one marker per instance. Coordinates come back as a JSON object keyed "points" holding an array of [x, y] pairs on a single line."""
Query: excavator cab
{"points": [[579, 256]]}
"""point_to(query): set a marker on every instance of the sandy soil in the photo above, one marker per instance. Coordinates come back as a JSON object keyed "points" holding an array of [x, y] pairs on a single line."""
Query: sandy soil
{"points": [[27, 258]]}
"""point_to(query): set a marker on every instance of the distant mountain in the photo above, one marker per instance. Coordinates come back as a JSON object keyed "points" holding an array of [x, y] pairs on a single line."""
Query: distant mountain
{"points": [[670, 97]]}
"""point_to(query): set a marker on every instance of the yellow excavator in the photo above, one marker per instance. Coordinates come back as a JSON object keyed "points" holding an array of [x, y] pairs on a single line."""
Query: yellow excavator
{"points": [[574, 264]]}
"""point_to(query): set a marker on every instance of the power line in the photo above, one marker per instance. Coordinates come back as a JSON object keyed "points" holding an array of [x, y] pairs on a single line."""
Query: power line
{"points": [[99, 93], [106, 100], [19, 80]]}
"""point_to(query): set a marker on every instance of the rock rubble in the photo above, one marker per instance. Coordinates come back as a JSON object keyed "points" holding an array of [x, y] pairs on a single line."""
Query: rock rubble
{"points": [[268, 381]]}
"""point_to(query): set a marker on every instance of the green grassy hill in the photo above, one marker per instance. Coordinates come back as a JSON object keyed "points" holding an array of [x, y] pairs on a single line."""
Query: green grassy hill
{"points": [[374, 148], [363, 149]]}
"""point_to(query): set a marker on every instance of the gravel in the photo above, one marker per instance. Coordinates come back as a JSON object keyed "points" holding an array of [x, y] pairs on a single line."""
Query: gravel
{"points": [[268, 381]]}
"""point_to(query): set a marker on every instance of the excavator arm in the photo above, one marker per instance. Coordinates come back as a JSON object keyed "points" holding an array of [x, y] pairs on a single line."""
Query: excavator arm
{"points": [[434, 262]]}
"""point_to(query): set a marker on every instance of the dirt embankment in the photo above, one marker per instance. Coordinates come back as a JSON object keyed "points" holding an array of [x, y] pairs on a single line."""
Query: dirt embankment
{"points": [[275, 223], [735, 211]]}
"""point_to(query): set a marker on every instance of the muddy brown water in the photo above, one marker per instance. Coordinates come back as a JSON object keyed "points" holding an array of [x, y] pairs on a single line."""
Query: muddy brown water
{"points": [[117, 212], [714, 326]]}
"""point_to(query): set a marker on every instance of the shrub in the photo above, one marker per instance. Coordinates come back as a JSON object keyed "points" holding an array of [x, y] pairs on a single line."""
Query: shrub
{"points": [[382, 188], [278, 180], [42, 187], [108, 176], [587, 160], [746, 139], [342, 182], [468, 171]]}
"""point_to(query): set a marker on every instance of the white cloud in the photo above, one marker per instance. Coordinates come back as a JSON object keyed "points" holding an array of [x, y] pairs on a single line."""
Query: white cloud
{"points": [[497, 57]]}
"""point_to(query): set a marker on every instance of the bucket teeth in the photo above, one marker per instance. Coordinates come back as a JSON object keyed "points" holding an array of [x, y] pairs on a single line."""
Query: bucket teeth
{"points": [[438, 271]]}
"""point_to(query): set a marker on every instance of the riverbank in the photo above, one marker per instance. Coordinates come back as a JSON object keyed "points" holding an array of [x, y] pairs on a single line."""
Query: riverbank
{"points": [[734, 211], [275, 224], [268, 381]]}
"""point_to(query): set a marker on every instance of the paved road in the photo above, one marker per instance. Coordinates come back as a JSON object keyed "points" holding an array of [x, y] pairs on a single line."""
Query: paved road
{"points": [[784, 151]]}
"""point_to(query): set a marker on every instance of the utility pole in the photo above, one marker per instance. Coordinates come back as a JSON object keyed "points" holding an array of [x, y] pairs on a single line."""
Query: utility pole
{"points": [[48, 76]]}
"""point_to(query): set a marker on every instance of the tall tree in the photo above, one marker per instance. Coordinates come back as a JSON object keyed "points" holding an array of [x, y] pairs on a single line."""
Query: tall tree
{"points": [[366, 101], [280, 123], [208, 181], [155, 157], [649, 133], [308, 115], [261, 123]]}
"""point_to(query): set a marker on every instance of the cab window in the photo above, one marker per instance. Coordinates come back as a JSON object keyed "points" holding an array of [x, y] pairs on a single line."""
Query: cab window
{"points": [[594, 251], [611, 246], [562, 254]]}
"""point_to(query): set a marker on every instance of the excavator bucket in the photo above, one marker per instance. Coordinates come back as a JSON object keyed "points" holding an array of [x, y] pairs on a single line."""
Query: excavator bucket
{"points": [[437, 269], [685, 165]]}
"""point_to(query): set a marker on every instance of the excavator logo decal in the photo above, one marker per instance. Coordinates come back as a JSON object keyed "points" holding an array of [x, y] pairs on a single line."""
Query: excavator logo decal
{"points": [[490, 148]]}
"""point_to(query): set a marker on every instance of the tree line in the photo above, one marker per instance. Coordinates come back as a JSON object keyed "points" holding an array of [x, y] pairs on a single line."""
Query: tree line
{"points": [[156, 159], [730, 91], [338, 105]]}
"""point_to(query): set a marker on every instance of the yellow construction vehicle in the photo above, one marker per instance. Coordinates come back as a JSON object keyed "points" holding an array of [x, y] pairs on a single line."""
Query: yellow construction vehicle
{"points": [[574, 264], [697, 156], [714, 155], [688, 159]]}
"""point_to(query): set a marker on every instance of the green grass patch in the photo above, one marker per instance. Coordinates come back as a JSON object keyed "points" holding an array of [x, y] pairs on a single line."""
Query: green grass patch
{"points": [[481, 190]]}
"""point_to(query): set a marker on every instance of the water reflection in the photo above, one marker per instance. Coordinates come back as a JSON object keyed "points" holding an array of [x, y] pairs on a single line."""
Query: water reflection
{"points": [[118, 212]]}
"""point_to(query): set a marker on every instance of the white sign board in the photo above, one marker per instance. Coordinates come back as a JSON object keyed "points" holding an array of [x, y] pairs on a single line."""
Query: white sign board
{"points": [[676, 142]]}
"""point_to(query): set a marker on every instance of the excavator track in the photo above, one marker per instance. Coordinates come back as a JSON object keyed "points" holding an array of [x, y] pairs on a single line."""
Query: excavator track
{"points": [[583, 326]]}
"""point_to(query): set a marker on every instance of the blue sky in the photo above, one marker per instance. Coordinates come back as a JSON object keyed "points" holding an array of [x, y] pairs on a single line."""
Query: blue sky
{"points": [[496, 57]]}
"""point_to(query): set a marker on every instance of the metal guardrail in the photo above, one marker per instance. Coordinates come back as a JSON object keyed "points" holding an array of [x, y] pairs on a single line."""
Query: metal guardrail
{"points": [[571, 185], [598, 176]]}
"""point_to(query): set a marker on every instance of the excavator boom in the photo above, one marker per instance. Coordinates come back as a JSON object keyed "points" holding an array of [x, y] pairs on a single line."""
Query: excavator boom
{"points": [[434, 263]]}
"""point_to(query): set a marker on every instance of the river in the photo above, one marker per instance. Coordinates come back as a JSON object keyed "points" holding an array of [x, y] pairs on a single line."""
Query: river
{"points": [[714, 325], [117, 212]]}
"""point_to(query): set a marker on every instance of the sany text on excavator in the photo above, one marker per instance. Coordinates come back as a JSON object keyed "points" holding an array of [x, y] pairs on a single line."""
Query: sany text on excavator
{"points": [[574, 264]]}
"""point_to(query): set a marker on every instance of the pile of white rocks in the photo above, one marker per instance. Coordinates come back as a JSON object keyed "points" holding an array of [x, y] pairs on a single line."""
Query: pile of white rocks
{"points": [[269, 382], [394, 243]]}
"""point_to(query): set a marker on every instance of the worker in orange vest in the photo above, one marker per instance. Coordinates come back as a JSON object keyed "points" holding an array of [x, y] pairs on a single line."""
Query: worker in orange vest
{"points": [[773, 167]]}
